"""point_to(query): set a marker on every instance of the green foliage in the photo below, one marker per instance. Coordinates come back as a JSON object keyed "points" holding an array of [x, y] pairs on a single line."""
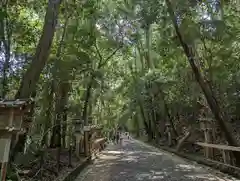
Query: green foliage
{"points": [[147, 72]]}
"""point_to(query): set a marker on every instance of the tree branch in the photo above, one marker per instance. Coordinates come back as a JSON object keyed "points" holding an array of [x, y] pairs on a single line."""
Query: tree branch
{"points": [[109, 57], [98, 52]]}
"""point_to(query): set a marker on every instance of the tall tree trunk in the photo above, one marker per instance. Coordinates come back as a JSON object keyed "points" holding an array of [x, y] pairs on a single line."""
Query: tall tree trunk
{"points": [[148, 57], [212, 102], [60, 108], [5, 71], [143, 116], [168, 113], [56, 136], [150, 132], [5, 38], [57, 81], [101, 63], [64, 127], [136, 125], [31, 77], [86, 101], [64, 110], [158, 133], [48, 115]]}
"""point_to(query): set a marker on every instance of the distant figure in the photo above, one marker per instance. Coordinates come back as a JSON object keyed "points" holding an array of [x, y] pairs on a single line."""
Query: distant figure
{"points": [[114, 138], [111, 136], [121, 139], [127, 134], [117, 137]]}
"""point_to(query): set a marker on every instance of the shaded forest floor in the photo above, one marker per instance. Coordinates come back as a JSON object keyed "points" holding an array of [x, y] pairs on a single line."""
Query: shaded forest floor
{"points": [[34, 167]]}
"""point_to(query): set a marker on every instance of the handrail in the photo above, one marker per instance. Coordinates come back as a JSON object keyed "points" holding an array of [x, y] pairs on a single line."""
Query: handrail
{"points": [[217, 146], [99, 140]]}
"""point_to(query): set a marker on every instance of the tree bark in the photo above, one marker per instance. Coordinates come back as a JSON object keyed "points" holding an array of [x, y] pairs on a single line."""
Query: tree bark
{"points": [[31, 77], [64, 127], [168, 113], [86, 100], [48, 115], [56, 82], [5, 38], [143, 117], [60, 104], [90, 84], [212, 102], [150, 132]]}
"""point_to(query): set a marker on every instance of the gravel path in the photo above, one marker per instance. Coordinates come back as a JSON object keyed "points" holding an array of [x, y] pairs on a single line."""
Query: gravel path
{"points": [[136, 161]]}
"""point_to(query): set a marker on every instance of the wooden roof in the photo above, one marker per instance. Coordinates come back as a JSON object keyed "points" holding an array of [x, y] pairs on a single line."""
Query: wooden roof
{"points": [[18, 103], [98, 126], [205, 119], [93, 127]]}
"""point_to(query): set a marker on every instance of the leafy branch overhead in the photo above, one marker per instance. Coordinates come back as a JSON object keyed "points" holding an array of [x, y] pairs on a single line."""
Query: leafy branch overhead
{"points": [[133, 64]]}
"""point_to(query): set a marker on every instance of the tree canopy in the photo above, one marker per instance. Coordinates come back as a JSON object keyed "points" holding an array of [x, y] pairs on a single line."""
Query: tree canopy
{"points": [[137, 64]]}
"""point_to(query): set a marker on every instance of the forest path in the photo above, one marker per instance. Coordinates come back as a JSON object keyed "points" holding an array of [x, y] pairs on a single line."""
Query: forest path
{"points": [[137, 161]]}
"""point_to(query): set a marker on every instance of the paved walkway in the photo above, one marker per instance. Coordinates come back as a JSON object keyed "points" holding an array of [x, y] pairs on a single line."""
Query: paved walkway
{"points": [[136, 161]]}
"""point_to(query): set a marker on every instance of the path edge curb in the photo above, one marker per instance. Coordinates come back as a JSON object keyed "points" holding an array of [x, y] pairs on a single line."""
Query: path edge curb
{"points": [[77, 170], [72, 175]]}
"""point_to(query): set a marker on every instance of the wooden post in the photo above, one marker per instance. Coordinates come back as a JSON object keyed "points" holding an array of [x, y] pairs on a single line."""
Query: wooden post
{"points": [[226, 156], [169, 135], [86, 141], [3, 171], [82, 144], [78, 140], [10, 124], [209, 130], [206, 153], [70, 156], [203, 127], [206, 126], [7, 140], [169, 139], [78, 126], [77, 147], [41, 162]]}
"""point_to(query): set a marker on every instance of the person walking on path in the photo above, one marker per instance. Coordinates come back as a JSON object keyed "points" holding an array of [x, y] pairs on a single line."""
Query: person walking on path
{"points": [[117, 137], [111, 136], [114, 138], [121, 139]]}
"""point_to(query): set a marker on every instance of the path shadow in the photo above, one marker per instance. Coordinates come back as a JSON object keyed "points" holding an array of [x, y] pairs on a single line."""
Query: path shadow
{"points": [[131, 162]]}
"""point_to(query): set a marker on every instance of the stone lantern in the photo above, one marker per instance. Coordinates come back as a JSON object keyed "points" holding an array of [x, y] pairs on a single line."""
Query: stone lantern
{"points": [[78, 132], [78, 125], [90, 120], [99, 129], [11, 123], [87, 134], [169, 133]]}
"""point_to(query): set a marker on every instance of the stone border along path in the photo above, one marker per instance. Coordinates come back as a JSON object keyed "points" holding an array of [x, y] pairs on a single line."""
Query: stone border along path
{"points": [[137, 161]]}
